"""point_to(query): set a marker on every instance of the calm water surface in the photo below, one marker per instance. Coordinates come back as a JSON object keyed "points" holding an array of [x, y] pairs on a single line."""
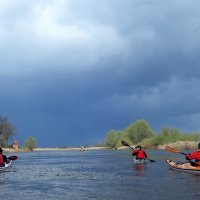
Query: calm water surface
{"points": [[104, 174]]}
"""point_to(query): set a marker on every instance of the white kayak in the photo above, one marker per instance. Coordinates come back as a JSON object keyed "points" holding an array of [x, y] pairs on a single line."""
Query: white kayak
{"points": [[6, 165], [140, 160]]}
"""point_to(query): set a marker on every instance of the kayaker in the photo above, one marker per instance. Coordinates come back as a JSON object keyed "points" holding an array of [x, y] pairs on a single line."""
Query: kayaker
{"points": [[139, 153], [194, 156], [3, 158]]}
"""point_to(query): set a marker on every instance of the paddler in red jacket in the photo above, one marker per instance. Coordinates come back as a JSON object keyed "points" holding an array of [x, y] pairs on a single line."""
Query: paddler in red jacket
{"points": [[194, 156], [139, 153], [3, 158]]}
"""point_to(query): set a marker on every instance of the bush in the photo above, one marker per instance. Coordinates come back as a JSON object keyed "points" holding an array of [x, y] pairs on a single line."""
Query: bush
{"points": [[141, 133], [138, 131], [113, 138], [146, 143], [30, 143]]}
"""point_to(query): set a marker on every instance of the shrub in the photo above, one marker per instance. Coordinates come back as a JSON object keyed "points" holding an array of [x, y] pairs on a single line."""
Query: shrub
{"points": [[138, 131]]}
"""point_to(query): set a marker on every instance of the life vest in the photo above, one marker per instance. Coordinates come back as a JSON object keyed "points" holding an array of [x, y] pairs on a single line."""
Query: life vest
{"points": [[1, 159], [140, 154], [195, 155]]}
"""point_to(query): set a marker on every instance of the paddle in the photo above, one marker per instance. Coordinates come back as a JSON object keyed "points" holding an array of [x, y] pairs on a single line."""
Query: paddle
{"points": [[12, 158], [173, 150], [126, 144]]}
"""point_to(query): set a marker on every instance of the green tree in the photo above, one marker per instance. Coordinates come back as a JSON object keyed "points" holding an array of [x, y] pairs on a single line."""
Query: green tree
{"points": [[6, 131], [112, 138], [138, 131], [167, 135], [30, 143]]}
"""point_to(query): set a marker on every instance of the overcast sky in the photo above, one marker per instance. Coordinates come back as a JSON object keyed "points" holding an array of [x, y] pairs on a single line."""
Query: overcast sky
{"points": [[71, 70]]}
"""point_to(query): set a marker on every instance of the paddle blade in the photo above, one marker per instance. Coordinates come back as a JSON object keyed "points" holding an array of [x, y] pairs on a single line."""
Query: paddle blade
{"points": [[13, 158], [151, 160], [125, 144], [173, 150]]}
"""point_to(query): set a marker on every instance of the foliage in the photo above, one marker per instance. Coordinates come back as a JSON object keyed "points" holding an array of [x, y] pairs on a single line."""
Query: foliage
{"points": [[138, 131], [6, 131], [30, 143], [146, 143], [141, 132], [113, 138], [190, 137], [171, 135], [166, 135]]}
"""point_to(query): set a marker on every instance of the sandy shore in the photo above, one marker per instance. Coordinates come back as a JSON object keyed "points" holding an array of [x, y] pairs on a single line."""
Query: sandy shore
{"points": [[10, 150], [181, 145], [69, 149]]}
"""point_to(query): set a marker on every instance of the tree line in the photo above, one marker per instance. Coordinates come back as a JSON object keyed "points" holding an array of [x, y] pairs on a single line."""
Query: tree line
{"points": [[7, 131], [140, 132]]}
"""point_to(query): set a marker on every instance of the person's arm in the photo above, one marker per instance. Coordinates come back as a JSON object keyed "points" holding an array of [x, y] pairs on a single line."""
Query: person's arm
{"points": [[145, 154], [188, 156], [135, 152], [5, 159]]}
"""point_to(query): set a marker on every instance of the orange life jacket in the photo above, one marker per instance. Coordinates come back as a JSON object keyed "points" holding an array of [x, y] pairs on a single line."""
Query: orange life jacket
{"points": [[1, 159]]}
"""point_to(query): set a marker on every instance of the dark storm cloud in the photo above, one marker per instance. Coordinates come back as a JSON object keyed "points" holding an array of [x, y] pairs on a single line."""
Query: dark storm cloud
{"points": [[73, 70]]}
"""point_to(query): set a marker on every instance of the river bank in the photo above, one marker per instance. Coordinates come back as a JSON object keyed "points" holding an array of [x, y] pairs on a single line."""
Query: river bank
{"points": [[181, 145], [11, 150]]}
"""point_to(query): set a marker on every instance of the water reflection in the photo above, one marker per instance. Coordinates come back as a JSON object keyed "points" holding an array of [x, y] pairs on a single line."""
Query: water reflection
{"points": [[139, 167], [96, 175]]}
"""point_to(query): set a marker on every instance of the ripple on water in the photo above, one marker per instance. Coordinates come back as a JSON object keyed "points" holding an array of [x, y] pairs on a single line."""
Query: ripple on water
{"points": [[95, 175]]}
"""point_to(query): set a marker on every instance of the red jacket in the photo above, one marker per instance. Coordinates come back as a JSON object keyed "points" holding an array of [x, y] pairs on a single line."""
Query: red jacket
{"points": [[193, 156], [140, 154], [1, 159]]}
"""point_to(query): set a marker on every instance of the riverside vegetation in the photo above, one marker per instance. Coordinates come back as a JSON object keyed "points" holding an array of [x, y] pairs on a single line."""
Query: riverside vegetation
{"points": [[140, 132]]}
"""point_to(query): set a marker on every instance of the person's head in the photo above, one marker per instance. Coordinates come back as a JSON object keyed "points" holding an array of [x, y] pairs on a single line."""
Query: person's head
{"points": [[138, 147], [1, 150], [199, 145]]}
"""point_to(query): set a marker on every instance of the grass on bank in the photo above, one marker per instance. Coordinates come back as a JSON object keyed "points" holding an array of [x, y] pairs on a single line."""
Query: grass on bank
{"points": [[178, 140]]}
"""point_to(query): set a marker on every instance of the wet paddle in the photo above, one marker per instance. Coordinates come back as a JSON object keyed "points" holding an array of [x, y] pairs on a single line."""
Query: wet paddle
{"points": [[12, 158], [173, 150], [126, 144]]}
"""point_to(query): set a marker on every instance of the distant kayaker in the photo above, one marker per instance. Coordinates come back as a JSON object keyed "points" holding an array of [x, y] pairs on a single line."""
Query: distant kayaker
{"points": [[194, 156], [3, 158], [139, 153]]}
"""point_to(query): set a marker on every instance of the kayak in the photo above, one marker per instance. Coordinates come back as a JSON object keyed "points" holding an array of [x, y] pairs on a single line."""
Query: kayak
{"points": [[140, 160], [6, 165], [186, 167]]}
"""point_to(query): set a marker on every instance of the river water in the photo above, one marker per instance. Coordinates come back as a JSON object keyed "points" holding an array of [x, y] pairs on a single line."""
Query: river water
{"points": [[98, 174]]}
